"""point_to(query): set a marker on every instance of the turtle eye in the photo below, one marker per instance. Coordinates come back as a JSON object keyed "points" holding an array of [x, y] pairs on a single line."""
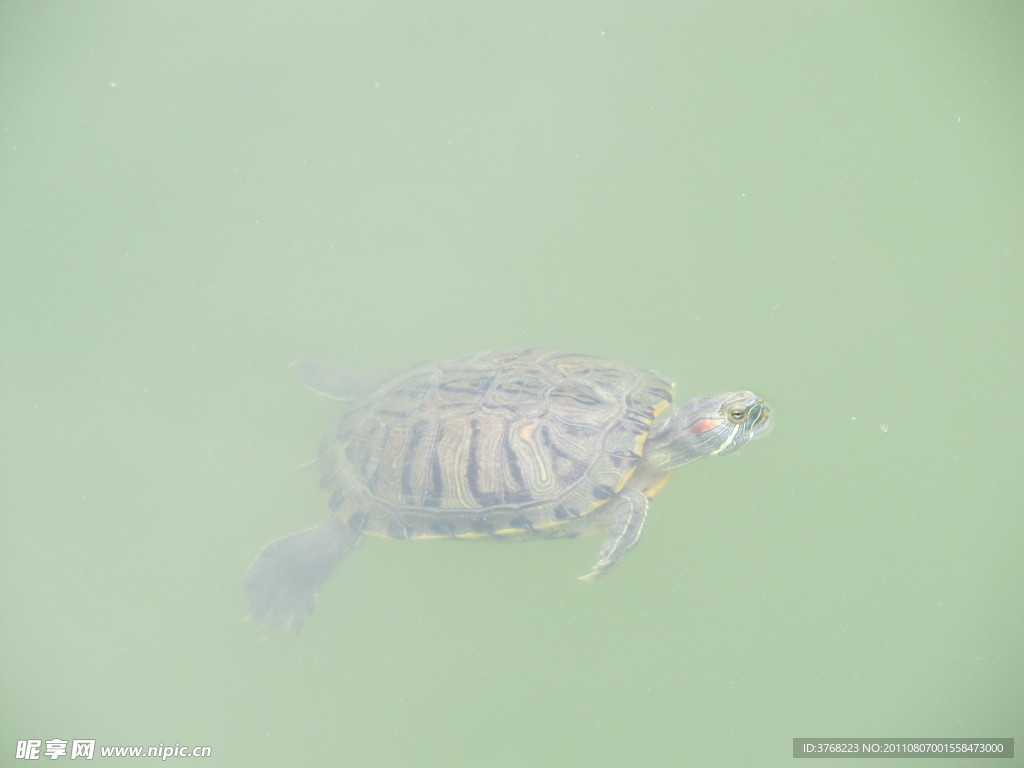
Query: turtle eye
{"points": [[737, 415]]}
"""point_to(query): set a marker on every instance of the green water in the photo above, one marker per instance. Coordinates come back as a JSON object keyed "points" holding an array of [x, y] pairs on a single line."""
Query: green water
{"points": [[819, 201]]}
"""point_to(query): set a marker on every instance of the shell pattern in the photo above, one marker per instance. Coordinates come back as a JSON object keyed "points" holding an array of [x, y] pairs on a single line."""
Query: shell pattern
{"points": [[504, 443]]}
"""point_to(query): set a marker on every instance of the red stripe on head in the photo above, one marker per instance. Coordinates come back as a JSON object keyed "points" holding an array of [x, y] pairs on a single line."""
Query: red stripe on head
{"points": [[703, 425]]}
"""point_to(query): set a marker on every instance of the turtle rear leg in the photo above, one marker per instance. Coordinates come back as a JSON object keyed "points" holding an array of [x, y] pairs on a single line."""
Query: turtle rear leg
{"points": [[334, 381], [628, 514], [282, 583]]}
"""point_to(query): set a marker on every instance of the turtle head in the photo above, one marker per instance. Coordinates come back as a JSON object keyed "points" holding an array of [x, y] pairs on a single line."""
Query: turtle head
{"points": [[712, 425]]}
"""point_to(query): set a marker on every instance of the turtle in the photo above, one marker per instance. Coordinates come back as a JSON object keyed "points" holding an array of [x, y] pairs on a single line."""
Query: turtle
{"points": [[512, 444]]}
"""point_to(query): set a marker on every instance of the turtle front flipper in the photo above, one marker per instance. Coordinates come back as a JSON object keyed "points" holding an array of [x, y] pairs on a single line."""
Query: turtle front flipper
{"points": [[628, 512], [282, 583]]}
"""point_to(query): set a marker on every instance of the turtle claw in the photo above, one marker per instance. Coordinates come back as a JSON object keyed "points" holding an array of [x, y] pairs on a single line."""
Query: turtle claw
{"points": [[277, 597], [629, 512], [282, 583]]}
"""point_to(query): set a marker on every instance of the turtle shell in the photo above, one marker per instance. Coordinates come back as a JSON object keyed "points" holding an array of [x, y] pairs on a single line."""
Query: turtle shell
{"points": [[504, 443]]}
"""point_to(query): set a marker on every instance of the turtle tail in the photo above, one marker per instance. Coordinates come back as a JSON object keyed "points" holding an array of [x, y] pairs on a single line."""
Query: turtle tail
{"points": [[282, 583]]}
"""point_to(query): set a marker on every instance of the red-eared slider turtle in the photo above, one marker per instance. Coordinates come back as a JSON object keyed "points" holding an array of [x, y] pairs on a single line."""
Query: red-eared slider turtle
{"points": [[511, 444]]}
